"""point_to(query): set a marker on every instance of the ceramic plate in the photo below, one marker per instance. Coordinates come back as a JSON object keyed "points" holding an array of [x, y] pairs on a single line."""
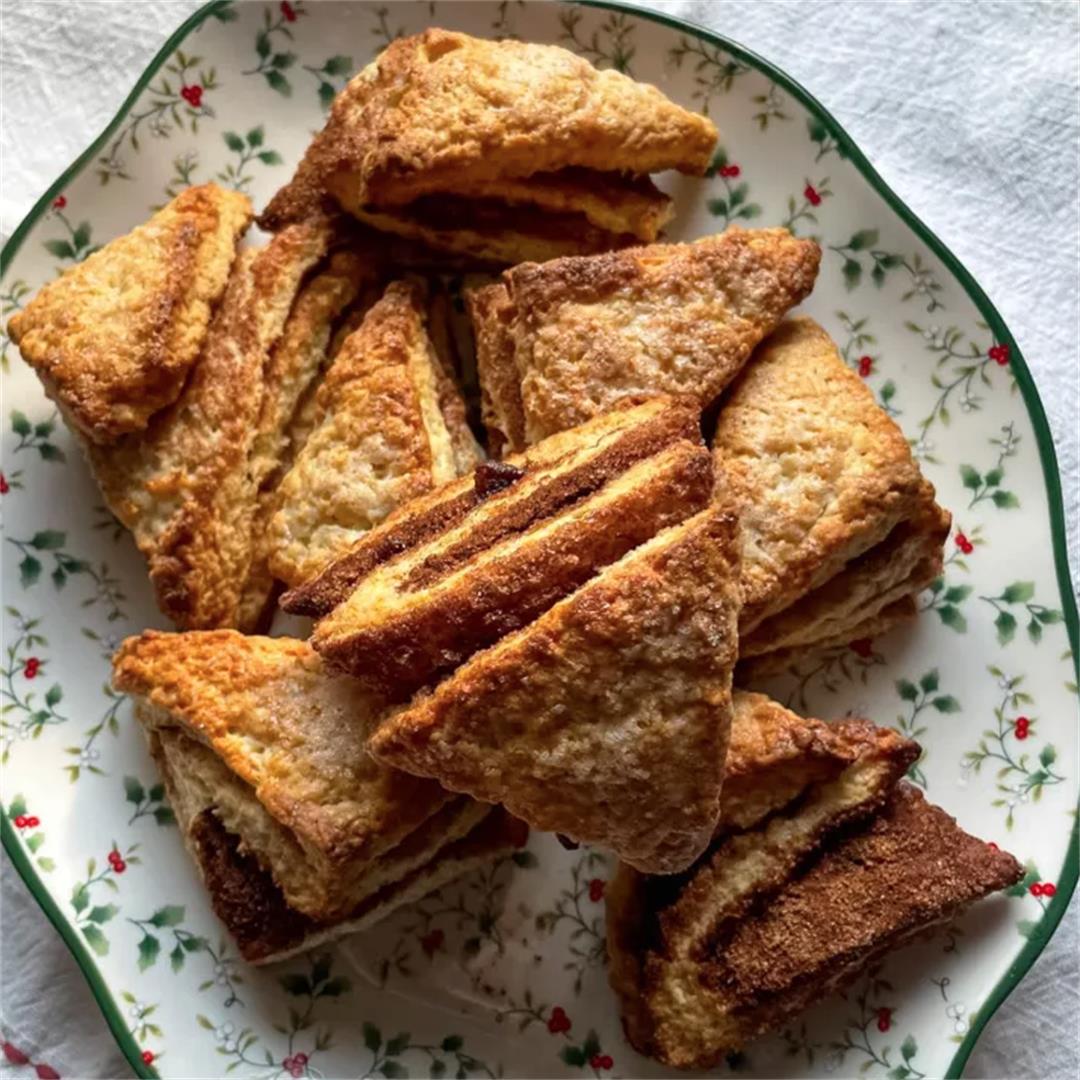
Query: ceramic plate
{"points": [[504, 972]]}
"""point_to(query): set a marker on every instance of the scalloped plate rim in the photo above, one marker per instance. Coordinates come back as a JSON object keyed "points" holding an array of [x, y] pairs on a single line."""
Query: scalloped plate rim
{"points": [[1070, 870]]}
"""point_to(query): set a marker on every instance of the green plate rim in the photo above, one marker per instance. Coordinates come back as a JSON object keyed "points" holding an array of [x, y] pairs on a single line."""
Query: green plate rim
{"points": [[1070, 870]]}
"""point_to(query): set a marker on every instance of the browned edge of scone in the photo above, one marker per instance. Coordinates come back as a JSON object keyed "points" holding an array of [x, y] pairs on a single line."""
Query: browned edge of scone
{"points": [[247, 900]]}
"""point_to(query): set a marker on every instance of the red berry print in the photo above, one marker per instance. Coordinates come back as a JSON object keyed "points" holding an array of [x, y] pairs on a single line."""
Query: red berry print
{"points": [[810, 193], [148, 1057], [1020, 727], [964, 544], [45, 1072], [1049, 888], [596, 890], [1000, 355], [884, 1019], [116, 860], [21, 821], [992, 845], [31, 667], [5, 487], [863, 647], [432, 942], [601, 1061], [288, 11], [1035, 888], [730, 170], [15, 1056], [558, 1021], [866, 365], [192, 95], [59, 202], [32, 822]]}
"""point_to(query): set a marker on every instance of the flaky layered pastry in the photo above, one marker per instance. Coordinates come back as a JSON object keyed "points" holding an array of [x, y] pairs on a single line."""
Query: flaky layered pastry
{"points": [[389, 425], [114, 337], [560, 342], [839, 524], [780, 914], [452, 572], [184, 486], [503, 150], [606, 719], [299, 833]]}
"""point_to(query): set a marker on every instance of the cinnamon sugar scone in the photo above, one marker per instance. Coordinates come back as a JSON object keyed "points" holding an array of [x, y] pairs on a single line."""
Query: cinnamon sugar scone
{"points": [[838, 522], [114, 337], [606, 719], [781, 913], [505, 150], [255, 735], [389, 425], [184, 486], [566, 339], [453, 572]]}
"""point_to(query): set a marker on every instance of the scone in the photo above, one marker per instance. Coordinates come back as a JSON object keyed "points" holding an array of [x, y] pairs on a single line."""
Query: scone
{"points": [[794, 906], [114, 337], [184, 485], [560, 342], [452, 572], [501, 150], [299, 834], [840, 527], [388, 424], [606, 719]]}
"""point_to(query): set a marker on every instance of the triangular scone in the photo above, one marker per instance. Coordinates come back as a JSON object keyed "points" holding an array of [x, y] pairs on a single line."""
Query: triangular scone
{"points": [[183, 486], [277, 750], [774, 919], [663, 319], [113, 338], [445, 112], [606, 719], [824, 477], [450, 574], [382, 436]]}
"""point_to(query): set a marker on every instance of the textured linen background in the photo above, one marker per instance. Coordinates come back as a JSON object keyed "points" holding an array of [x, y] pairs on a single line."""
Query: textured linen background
{"points": [[970, 111]]}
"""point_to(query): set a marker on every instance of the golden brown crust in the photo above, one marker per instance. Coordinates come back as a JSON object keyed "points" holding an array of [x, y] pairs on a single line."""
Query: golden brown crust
{"points": [[113, 338], [520, 550], [284, 726], [820, 470], [607, 718], [668, 318], [576, 461], [380, 438], [442, 110], [183, 487], [492, 314]]}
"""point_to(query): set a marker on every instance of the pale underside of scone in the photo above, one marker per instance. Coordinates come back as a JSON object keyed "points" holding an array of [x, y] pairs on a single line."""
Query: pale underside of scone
{"points": [[606, 719], [183, 486], [388, 425], [276, 745], [822, 475], [445, 113], [664, 319], [518, 551], [747, 946], [492, 313], [114, 337]]}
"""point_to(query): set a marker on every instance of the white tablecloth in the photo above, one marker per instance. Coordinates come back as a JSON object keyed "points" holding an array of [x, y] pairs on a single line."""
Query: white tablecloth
{"points": [[969, 111]]}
